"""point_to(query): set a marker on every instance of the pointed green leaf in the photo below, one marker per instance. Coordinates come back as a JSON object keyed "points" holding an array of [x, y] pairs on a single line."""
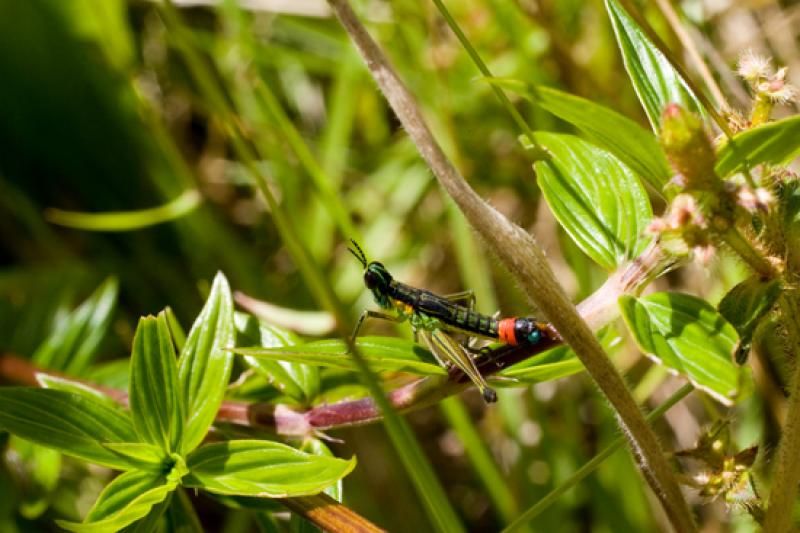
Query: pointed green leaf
{"points": [[146, 456], [154, 395], [596, 199], [280, 374], [74, 424], [175, 329], [382, 353], [547, 366], [655, 80], [774, 143], [125, 500], [181, 516], [73, 344], [204, 367], [687, 336], [628, 141], [745, 305], [262, 468], [49, 381]]}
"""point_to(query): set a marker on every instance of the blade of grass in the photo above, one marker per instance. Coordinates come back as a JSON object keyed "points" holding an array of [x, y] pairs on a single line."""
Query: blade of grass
{"points": [[127, 220], [487, 469]]}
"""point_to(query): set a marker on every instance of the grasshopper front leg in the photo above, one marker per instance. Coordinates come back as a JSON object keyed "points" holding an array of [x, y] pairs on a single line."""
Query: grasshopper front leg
{"points": [[372, 314]]}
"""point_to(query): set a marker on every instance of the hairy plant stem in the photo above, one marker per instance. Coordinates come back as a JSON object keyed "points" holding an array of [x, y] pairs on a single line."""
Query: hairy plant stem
{"points": [[787, 472], [748, 254], [525, 260]]}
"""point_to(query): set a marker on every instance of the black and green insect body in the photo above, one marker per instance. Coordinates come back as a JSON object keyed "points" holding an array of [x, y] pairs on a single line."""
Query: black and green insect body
{"points": [[434, 317]]}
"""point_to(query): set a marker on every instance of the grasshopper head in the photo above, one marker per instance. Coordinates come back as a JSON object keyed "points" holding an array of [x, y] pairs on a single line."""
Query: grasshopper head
{"points": [[376, 277]]}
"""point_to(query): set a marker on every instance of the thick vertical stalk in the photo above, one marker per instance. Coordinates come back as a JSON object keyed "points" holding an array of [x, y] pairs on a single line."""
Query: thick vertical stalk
{"points": [[787, 472], [525, 260]]}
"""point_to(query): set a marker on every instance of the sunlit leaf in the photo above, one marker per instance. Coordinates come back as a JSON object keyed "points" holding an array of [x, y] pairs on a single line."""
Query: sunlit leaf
{"points": [[204, 367], [687, 336], [64, 384], [774, 143], [76, 338], [553, 364], [628, 141], [596, 199], [147, 456], [126, 499], [154, 395], [655, 80], [262, 468], [382, 353], [75, 424], [281, 374]]}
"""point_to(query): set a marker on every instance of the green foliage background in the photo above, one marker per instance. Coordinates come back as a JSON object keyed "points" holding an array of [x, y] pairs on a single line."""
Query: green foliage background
{"points": [[100, 112]]}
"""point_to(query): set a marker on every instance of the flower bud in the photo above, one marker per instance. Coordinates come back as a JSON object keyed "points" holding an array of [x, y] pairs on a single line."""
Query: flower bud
{"points": [[688, 148]]}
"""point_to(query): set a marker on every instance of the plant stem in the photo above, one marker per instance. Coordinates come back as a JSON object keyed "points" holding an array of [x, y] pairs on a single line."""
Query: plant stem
{"points": [[329, 514], [787, 472], [748, 254], [689, 46], [525, 259]]}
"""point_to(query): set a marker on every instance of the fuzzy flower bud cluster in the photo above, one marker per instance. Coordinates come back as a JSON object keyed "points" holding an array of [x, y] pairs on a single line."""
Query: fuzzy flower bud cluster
{"points": [[684, 228]]}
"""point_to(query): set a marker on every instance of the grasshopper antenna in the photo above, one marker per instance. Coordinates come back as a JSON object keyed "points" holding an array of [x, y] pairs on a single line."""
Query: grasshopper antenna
{"points": [[358, 255]]}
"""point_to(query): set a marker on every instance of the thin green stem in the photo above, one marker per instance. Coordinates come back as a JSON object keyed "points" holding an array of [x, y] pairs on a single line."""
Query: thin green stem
{"points": [[592, 465], [476, 58], [487, 469], [308, 161]]}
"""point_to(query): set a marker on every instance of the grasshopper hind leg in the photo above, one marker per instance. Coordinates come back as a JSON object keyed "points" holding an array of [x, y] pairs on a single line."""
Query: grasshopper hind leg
{"points": [[445, 348]]}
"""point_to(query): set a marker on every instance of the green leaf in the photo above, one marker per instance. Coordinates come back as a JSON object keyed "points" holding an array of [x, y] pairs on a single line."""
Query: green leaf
{"points": [[181, 206], [382, 353], [125, 500], [75, 424], [628, 141], [262, 468], [745, 305], [154, 395], [553, 364], [656, 81], [774, 143], [687, 336], [596, 199], [175, 329], [49, 381], [204, 367], [285, 376], [145, 456], [181, 516], [74, 342]]}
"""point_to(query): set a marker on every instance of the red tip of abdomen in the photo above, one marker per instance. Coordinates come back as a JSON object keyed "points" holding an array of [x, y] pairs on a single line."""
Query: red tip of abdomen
{"points": [[505, 330]]}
